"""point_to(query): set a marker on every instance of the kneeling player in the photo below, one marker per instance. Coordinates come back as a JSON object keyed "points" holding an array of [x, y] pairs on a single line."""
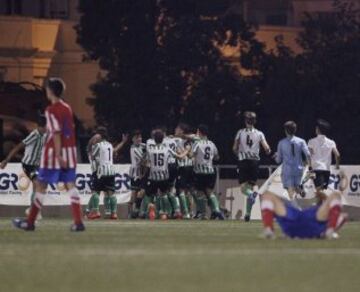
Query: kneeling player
{"points": [[314, 222]]}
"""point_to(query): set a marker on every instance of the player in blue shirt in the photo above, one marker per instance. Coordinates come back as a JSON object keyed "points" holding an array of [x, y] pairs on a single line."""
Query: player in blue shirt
{"points": [[292, 151]]}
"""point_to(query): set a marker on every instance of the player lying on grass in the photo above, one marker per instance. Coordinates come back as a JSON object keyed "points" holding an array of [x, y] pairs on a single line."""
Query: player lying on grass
{"points": [[30, 162], [321, 221]]}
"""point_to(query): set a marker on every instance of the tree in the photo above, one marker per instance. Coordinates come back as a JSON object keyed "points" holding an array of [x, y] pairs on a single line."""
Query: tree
{"points": [[164, 64], [321, 82]]}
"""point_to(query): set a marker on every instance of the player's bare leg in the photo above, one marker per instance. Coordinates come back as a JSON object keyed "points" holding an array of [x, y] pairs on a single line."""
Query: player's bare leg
{"points": [[271, 205], [330, 211]]}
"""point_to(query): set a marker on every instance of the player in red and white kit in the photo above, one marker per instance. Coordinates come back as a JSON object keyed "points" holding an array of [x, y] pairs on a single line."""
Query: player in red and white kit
{"points": [[58, 157]]}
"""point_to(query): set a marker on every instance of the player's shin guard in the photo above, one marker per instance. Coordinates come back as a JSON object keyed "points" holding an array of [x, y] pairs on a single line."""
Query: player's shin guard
{"points": [[184, 203], [174, 202], [334, 213], [247, 190], [107, 205], [249, 205], [95, 202], [201, 204], [214, 203], [144, 206], [164, 205], [35, 207], [267, 212], [113, 204], [75, 205]]}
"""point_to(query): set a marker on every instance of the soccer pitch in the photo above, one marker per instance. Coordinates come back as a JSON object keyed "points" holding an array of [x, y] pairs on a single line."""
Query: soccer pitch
{"points": [[173, 256]]}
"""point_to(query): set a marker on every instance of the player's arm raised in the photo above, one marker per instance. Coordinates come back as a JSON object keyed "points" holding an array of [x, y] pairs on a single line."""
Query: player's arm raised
{"points": [[118, 147], [12, 153]]}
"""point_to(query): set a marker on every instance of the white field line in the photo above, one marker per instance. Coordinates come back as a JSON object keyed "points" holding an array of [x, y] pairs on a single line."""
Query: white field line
{"points": [[89, 252]]}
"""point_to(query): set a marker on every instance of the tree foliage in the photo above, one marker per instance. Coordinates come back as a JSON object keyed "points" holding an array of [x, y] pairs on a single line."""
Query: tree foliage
{"points": [[163, 64]]}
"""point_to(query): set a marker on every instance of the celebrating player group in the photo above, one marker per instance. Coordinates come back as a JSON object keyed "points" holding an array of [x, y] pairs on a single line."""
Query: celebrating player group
{"points": [[173, 176]]}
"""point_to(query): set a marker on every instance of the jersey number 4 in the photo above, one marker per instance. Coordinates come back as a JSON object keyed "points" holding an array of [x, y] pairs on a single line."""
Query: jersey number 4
{"points": [[249, 141], [159, 159]]}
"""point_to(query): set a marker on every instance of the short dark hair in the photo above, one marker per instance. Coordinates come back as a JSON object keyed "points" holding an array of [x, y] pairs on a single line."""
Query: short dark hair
{"points": [[203, 129], [56, 85], [250, 117], [135, 133], [290, 127], [41, 121], [159, 136], [102, 131], [323, 126]]}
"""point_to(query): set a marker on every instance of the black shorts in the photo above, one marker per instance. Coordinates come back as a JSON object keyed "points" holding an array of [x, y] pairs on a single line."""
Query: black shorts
{"points": [[185, 177], [322, 178], [172, 174], [93, 181], [138, 184], [31, 171], [204, 181], [105, 184], [248, 171], [153, 186]]}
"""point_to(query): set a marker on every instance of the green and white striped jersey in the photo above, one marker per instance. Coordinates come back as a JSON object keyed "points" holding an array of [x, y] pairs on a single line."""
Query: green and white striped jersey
{"points": [[204, 152], [181, 145], [158, 159], [137, 155], [33, 145], [103, 155], [249, 143], [171, 143]]}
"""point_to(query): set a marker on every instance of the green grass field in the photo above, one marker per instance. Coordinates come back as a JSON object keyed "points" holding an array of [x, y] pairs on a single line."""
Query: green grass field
{"points": [[173, 256]]}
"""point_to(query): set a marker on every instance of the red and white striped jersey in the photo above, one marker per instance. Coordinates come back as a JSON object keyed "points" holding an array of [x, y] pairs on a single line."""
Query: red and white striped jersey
{"points": [[59, 119]]}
